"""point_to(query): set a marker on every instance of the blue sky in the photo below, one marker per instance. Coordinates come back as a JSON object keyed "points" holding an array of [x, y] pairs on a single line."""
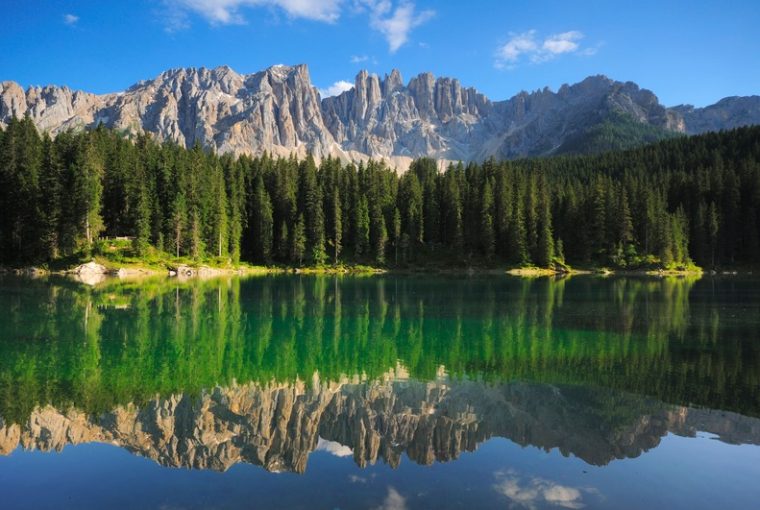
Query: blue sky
{"points": [[685, 51]]}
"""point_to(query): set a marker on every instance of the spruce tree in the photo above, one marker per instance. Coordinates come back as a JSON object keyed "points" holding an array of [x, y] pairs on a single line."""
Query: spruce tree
{"points": [[262, 222], [141, 239], [178, 217], [49, 199], [310, 197], [361, 235], [518, 244], [487, 237], [298, 247], [336, 215], [713, 229], [396, 233], [545, 253], [86, 193]]}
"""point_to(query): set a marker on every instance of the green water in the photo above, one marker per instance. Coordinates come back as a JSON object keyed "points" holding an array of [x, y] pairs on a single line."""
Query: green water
{"points": [[410, 391]]}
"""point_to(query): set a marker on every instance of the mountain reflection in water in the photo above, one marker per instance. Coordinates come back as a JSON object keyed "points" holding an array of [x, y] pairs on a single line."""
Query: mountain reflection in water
{"points": [[278, 426], [262, 371]]}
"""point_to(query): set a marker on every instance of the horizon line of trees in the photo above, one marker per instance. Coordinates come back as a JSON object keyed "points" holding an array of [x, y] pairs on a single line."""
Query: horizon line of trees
{"points": [[670, 203]]}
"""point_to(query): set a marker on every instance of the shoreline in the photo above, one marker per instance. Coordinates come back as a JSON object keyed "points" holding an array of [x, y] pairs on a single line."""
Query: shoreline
{"points": [[98, 270]]}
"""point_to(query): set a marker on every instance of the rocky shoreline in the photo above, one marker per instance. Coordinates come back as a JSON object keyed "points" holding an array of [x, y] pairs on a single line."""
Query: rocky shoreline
{"points": [[94, 272]]}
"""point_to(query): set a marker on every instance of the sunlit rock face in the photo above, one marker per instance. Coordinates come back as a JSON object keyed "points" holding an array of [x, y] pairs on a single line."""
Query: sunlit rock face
{"points": [[273, 110], [277, 426], [427, 117], [728, 113], [279, 110]]}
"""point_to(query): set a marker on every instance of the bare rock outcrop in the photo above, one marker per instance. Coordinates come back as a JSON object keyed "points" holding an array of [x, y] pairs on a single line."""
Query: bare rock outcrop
{"points": [[278, 110], [728, 113]]}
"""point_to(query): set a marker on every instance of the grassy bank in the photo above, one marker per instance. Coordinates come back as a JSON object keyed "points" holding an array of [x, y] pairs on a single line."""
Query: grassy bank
{"points": [[118, 258]]}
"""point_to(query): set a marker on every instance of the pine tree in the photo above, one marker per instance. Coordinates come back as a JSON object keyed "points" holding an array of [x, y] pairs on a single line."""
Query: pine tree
{"points": [[86, 193], [262, 222], [487, 238], [220, 217], [598, 224], [361, 236], [545, 254], [21, 222], [298, 248], [141, 240], [235, 184], [336, 215], [452, 215], [502, 211], [679, 237], [713, 229], [396, 233], [49, 198], [624, 220], [559, 251], [285, 211], [379, 236], [178, 221], [410, 197], [196, 236], [518, 245], [427, 175], [311, 206]]}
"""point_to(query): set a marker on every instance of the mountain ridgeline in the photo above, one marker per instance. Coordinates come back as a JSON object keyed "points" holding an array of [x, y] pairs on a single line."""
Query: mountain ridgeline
{"points": [[280, 111], [663, 205]]}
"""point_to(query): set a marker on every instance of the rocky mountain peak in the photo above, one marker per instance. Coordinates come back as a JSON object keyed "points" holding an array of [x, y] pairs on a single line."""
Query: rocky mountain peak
{"points": [[728, 113], [279, 110], [392, 82]]}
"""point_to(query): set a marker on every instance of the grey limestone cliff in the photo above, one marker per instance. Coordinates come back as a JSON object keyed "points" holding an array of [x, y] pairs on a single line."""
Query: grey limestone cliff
{"points": [[279, 110]]}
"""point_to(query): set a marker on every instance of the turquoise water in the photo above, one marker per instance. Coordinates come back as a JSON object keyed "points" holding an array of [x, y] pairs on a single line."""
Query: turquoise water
{"points": [[380, 392]]}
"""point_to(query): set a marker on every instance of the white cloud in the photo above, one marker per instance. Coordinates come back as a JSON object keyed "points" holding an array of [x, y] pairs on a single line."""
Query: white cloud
{"points": [[358, 59], [394, 20], [336, 88], [393, 501], [334, 448], [538, 492], [70, 19], [566, 42], [395, 23], [528, 46], [518, 45], [228, 12]]}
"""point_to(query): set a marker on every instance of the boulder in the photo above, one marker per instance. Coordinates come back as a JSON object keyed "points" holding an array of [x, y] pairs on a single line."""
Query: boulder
{"points": [[90, 268]]}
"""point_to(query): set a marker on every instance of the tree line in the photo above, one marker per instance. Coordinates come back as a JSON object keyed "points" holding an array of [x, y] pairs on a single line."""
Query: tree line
{"points": [[670, 203]]}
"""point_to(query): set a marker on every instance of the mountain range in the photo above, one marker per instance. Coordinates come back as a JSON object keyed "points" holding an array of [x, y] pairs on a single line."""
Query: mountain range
{"points": [[279, 110], [278, 426]]}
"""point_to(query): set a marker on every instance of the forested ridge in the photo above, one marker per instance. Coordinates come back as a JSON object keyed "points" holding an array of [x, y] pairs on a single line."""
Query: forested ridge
{"points": [[667, 204]]}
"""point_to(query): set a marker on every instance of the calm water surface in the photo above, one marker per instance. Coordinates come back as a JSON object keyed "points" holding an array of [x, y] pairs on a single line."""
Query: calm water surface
{"points": [[385, 392]]}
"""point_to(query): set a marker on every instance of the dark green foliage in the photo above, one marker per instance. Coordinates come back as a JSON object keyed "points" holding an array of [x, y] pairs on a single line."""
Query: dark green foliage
{"points": [[669, 203], [71, 346], [310, 200], [260, 224], [619, 131]]}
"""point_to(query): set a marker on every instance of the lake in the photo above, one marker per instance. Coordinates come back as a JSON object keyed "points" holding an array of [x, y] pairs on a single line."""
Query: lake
{"points": [[381, 392]]}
